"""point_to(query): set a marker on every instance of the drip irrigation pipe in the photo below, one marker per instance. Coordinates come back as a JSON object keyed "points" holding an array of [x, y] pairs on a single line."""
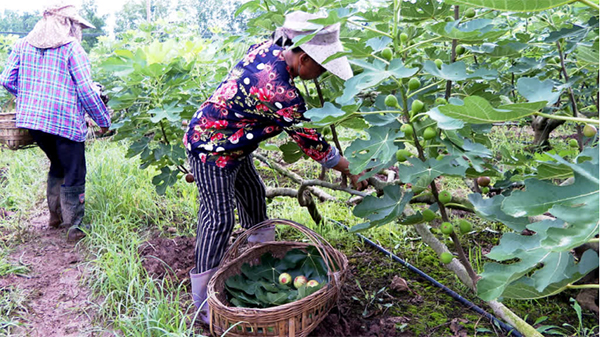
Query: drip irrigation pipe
{"points": [[509, 329]]}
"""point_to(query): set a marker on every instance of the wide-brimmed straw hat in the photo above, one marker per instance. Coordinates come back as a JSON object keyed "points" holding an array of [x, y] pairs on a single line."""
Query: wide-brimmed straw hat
{"points": [[56, 26], [325, 43]]}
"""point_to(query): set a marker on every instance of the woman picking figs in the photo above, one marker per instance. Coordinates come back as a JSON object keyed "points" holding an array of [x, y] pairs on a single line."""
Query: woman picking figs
{"points": [[258, 100]]}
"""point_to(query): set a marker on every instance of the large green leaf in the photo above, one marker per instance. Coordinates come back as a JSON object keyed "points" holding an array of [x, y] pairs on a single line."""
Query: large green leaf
{"points": [[457, 71], [380, 146], [512, 5], [327, 115], [471, 31], [423, 10], [424, 172], [444, 122], [540, 196], [372, 75], [164, 179], [490, 209], [380, 211], [551, 270], [536, 91], [477, 110]]}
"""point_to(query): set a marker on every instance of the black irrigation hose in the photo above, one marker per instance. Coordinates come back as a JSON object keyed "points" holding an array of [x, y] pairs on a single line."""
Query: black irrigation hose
{"points": [[509, 329]]}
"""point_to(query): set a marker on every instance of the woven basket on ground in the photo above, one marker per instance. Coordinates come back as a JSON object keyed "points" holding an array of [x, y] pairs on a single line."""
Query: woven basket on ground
{"points": [[11, 136], [294, 319]]}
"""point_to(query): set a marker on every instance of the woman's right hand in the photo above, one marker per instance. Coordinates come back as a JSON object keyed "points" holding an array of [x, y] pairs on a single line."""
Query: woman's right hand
{"points": [[358, 185]]}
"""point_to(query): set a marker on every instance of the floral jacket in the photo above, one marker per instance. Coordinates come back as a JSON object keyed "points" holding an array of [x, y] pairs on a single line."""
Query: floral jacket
{"points": [[257, 101]]}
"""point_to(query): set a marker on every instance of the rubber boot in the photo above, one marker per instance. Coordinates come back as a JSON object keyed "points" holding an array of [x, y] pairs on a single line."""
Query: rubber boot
{"points": [[53, 198], [72, 201], [199, 285], [262, 235]]}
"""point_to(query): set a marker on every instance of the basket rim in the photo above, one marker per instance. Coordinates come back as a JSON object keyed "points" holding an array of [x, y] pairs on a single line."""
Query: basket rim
{"points": [[332, 287]]}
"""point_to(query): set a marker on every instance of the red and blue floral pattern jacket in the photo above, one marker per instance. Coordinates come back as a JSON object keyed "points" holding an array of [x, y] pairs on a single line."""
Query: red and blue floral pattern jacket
{"points": [[257, 101]]}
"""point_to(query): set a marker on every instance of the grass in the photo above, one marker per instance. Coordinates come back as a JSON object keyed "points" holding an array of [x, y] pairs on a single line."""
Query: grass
{"points": [[125, 211]]}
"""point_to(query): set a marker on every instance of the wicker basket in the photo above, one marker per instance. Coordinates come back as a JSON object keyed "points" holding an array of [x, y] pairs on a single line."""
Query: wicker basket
{"points": [[11, 136], [294, 319]]}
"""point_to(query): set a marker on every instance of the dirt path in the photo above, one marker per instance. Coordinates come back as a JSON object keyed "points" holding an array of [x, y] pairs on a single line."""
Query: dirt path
{"points": [[57, 304]]}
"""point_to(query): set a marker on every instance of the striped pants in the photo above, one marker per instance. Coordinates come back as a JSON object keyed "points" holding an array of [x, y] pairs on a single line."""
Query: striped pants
{"points": [[220, 191]]}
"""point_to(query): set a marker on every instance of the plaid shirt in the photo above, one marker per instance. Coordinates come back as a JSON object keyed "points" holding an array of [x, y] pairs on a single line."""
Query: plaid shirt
{"points": [[53, 89]]}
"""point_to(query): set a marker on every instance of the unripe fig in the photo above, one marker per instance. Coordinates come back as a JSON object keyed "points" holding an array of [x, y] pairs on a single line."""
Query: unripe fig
{"points": [[403, 37], [469, 13], [446, 228], [414, 83], [402, 155], [446, 257], [483, 181], [589, 130], [299, 281], [416, 106], [485, 190], [429, 133], [438, 63], [428, 214], [445, 197], [387, 54], [440, 157], [440, 101], [285, 278], [573, 143], [391, 100], [460, 49], [465, 226], [407, 129]]}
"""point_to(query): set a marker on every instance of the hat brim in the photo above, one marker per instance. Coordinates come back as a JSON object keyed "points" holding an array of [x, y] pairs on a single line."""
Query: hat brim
{"points": [[83, 22], [340, 66]]}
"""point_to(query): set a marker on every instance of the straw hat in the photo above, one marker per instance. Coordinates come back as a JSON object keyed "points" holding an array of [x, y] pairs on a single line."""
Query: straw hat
{"points": [[56, 26], [324, 44]]}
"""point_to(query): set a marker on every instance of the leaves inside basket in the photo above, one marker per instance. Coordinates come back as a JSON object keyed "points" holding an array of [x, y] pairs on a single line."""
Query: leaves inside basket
{"points": [[258, 286]]}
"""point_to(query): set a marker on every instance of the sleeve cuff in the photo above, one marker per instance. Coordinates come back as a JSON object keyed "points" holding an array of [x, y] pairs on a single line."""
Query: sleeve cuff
{"points": [[332, 158]]}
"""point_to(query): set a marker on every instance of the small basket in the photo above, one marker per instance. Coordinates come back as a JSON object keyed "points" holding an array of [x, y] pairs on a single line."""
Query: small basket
{"points": [[294, 319], [11, 136]]}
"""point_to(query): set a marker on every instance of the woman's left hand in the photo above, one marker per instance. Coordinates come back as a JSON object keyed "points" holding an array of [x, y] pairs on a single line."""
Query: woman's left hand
{"points": [[358, 185]]}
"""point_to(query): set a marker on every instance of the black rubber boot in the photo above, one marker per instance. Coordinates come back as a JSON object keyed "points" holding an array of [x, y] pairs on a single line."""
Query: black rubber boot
{"points": [[53, 198], [72, 200]]}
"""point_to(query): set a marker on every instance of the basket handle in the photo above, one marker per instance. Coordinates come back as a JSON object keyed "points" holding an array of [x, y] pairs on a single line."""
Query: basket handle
{"points": [[323, 247]]}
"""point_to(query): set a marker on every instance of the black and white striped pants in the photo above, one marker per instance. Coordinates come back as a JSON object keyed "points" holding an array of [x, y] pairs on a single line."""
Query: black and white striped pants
{"points": [[220, 191]]}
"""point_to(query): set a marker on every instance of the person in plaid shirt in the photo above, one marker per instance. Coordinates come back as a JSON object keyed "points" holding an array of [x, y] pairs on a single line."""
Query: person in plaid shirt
{"points": [[49, 74]]}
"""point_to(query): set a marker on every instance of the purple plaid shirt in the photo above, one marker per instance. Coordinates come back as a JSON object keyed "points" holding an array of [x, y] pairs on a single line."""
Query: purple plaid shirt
{"points": [[53, 89]]}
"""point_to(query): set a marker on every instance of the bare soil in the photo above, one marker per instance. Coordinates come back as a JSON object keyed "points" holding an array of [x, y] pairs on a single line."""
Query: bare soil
{"points": [[57, 303], [173, 258]]}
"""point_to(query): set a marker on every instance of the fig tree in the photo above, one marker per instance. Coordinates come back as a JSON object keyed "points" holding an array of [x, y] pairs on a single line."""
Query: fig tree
{"points": [[414, 83], [407, 129], [391, 100], [465, 226], [589, 130], [483, 181], [446, 228], [429, 133], [444, 197], [387, 53], [446, 257]]}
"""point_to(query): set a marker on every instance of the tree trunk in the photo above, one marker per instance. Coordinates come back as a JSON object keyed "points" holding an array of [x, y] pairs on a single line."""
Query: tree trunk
{"points": [[542, 127]]}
